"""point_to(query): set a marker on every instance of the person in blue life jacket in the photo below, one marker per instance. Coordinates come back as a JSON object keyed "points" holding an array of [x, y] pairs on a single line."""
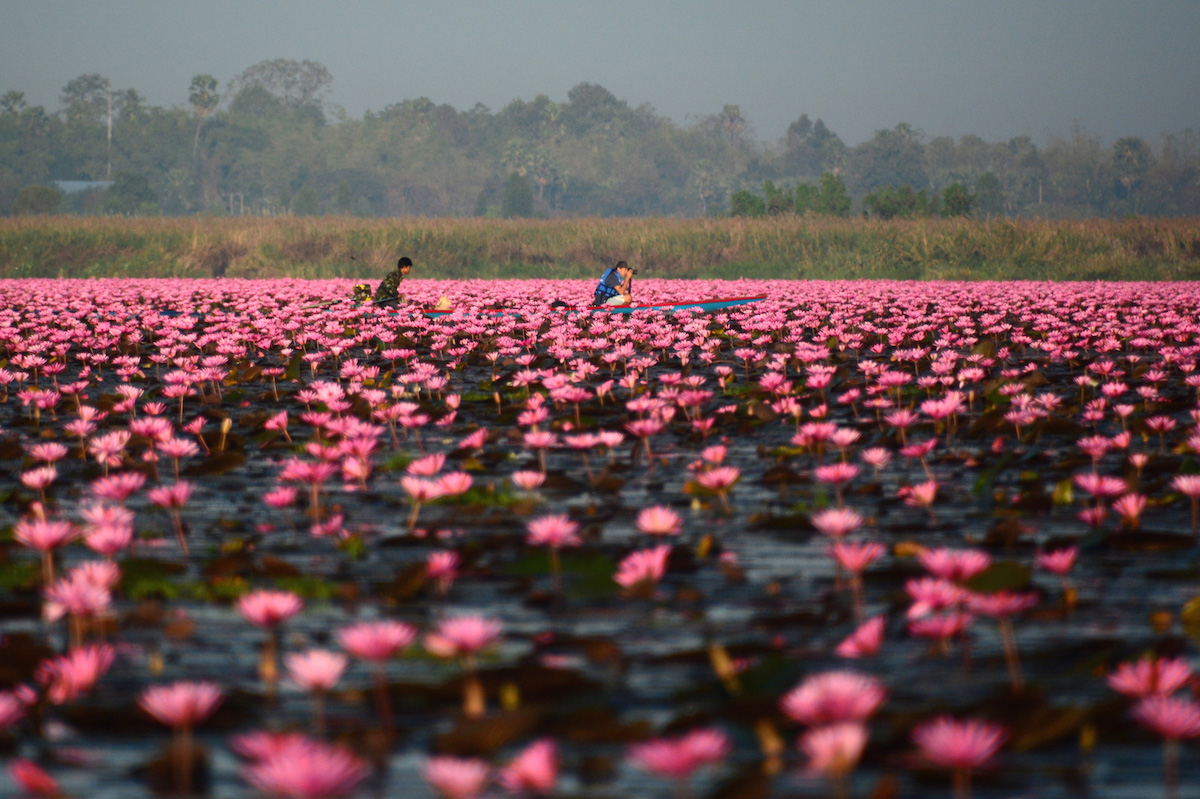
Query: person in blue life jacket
{"points": [[616, 286]]}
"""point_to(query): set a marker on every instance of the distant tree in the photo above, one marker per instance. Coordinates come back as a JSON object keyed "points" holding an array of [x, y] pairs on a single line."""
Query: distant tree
{"points": [[518, 198], [1132, 159], [706, 181], [481, 203], [891, 202], [306, 202], [1082, 175], [130, 193], [989, 199], [591, 107], [805, 198], [86, 98], [517, 156], [128, 104], [957, 200], [809, 148], [778, 201], [345, 198], [732, 122], [893, 157], [13, 102], [33, 200], [88, 101], [203, 97], [255, 102], [296, 84], [747, 203], [833, 200]]}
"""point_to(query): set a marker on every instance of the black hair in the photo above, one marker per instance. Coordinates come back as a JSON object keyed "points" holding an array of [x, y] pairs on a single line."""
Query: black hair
{"points": [[621, 265], [403, 262]]}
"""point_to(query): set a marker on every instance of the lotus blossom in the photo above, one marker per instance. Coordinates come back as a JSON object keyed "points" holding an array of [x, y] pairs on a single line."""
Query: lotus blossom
{"points": [[306, 769], [679, 757], [961, 746]]}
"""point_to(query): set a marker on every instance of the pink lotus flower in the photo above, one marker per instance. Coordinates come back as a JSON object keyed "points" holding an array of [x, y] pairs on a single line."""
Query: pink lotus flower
{"points": [[553, 531], [942, 627], [454, 484], [836, 522], [833, 697], [316, 670], [1169, 717], [266, 609], [280, 497], [70, 676], [720, 480], [959, 745], [118, 487], [1100, 486], [12, 709], [1059, 561], [1000, 603], [876, 457], [427, 466], [679, 757], [456, 778], [1150, 677], [181, 704], [81, 593], [307, 769], [644, 566], [534, 770], [659, 520], [527, 480], [463, 635], [931, 594], [835, 749], [921, 495], [442, 568], [956, 565], [855, 556], [376, 641], [864, 641], [43, 535], [836, 473]]}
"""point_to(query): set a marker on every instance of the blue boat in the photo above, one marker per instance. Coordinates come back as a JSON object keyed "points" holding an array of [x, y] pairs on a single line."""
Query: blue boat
{"points": [[663, 307]]}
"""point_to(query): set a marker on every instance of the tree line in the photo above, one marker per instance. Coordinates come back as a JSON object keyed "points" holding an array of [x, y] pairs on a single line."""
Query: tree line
{"points": [[271, 143]]}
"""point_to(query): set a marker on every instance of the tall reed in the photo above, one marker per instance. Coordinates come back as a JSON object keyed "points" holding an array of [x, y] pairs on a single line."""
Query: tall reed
{"points": [[781, 247]]}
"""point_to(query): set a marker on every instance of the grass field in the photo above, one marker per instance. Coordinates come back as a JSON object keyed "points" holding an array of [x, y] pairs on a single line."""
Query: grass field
{"points": [[778, 247]]}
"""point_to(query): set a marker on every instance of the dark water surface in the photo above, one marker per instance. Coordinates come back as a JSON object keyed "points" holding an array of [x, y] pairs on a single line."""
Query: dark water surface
{"points": [[593, 667]]}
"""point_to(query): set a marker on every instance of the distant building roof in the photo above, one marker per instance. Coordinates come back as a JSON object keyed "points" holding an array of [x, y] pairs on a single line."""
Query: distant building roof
{"points": [[72, 186]]}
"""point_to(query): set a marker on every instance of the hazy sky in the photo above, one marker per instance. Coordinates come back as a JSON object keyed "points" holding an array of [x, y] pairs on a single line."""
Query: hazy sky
{"points": [[948, 67]]}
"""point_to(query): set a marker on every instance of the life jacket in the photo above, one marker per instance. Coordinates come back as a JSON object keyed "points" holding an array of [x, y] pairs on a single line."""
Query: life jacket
{"points": [[605, 292]]}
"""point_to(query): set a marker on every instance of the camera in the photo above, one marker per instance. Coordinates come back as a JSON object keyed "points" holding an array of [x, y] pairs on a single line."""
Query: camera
{"points": [[633, 271]]}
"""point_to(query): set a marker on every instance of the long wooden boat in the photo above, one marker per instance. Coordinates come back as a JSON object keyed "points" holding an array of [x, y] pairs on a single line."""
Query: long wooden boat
{"points": [[664, 307]]}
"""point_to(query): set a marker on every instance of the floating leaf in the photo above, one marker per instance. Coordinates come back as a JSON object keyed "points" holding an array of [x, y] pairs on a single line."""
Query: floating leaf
{"points": [[217, 463], [1005, 575], [18, 576]]}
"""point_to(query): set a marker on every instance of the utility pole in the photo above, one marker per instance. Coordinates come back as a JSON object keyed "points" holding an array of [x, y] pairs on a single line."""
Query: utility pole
{"points": [[109, 95]]}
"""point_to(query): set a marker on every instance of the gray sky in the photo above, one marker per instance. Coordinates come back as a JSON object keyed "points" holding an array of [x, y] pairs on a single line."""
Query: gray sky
{"points": [[948, 67]]}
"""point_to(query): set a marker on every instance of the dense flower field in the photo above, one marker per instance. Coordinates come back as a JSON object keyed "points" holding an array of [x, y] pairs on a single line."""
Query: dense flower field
{"points": [[859, 539]]}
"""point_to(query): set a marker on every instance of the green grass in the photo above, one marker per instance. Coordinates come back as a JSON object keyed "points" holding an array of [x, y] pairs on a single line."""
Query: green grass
{"points": [[778, 247]]}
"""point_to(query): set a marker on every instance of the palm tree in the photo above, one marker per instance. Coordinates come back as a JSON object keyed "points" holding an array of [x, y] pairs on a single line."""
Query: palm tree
{"points": [[1131, 159], [204, 98], [732, 121]]}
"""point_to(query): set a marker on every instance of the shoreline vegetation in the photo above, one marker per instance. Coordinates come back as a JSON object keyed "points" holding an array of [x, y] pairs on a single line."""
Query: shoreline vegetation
{"points": [[776, 247]]}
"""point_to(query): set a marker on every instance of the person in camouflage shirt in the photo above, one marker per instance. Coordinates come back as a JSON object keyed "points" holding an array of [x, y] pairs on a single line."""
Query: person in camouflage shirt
{"points": [[388, 287]]}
